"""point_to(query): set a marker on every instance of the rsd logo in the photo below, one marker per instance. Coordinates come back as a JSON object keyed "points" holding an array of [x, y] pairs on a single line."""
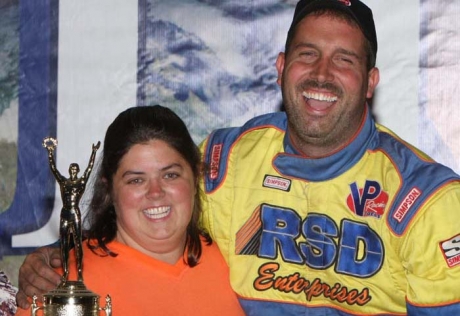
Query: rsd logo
{"points": [[367, 201]]}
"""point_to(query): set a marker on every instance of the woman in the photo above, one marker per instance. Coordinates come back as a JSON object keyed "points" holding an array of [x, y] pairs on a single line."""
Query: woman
{"points": [[147, 249]]}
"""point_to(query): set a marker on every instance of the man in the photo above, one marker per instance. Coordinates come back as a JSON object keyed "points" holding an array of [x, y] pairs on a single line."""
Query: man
{"points": [[321, 211]]}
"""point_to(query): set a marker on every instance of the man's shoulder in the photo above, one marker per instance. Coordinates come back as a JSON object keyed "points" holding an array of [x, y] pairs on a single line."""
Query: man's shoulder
{"points": [[421, 178], [252, 139], [276, 119], [266, 122]]}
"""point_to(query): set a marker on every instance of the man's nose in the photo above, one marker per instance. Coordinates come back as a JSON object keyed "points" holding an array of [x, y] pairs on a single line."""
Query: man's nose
{"points": [[322, 71]]}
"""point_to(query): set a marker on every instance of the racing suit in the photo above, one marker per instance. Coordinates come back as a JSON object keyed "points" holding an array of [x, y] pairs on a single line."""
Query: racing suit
{"points": [[373, 229]]}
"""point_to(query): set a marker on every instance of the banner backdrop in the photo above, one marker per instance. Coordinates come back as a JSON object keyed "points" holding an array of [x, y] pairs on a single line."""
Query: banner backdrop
{"points": [[67, 68]]}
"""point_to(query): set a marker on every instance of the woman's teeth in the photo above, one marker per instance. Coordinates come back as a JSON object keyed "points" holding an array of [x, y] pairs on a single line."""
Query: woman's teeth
{"points": [[157, 212]]}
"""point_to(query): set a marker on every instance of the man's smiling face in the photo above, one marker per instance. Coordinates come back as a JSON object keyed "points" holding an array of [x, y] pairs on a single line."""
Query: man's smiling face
{"points": [[325, 83]]}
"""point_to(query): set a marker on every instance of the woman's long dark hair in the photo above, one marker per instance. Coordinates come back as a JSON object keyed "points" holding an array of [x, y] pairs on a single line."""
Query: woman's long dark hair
{"points": [[139, 125]]}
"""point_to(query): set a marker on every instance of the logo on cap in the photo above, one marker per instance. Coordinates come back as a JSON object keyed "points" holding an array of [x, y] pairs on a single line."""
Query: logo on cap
{"points": [[345, 2]]}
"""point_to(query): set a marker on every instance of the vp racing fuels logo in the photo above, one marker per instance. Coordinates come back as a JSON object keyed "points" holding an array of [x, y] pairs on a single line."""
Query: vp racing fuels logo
{"points": [[316, 242], [367, 201]]}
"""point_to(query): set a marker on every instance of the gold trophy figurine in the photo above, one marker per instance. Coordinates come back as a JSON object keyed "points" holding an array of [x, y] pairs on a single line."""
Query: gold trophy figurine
{"points": [[71, 298]]}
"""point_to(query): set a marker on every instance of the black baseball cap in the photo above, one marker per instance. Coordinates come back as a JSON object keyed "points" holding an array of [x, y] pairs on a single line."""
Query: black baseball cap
{"points": [[361, 13]]}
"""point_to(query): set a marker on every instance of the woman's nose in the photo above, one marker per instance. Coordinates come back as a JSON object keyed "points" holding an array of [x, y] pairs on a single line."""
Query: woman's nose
{"points": [[155, 189]]}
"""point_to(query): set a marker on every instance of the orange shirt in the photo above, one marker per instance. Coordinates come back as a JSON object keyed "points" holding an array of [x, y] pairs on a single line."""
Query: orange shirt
{"points": [[141, 285]]}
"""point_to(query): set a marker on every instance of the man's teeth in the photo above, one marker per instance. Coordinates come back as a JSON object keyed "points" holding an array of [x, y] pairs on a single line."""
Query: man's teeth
{"points": [[319, 96], [157, 212]]}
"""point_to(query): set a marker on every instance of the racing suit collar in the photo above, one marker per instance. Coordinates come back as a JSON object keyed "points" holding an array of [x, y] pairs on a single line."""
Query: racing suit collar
{"points": [[291, 163]]}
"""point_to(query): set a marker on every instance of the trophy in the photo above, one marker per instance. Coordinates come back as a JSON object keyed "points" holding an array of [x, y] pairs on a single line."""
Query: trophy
{"points": [[71, 298]]}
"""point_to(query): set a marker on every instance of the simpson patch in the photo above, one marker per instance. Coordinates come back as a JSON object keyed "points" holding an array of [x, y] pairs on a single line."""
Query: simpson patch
{"points": [[451, 250]]}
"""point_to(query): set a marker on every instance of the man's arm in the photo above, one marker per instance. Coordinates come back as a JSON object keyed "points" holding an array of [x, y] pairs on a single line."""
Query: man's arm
{"points": [[37, 275], [431, 255]]}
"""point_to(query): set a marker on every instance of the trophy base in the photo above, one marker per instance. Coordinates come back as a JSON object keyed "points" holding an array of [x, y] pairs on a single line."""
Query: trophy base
{"points": [[72, 298], [71, 292]]}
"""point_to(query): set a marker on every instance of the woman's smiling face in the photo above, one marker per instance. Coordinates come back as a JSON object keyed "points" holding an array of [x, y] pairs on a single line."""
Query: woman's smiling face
{"points": [[153, 193]]}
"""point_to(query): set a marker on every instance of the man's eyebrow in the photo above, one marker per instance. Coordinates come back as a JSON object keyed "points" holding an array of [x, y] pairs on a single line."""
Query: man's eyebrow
{"points": [[349, 53], [338, 50], [304, 45]]}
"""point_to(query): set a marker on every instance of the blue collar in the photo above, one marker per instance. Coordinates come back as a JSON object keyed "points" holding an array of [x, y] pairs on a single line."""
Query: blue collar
{"points": [[291, 163]]}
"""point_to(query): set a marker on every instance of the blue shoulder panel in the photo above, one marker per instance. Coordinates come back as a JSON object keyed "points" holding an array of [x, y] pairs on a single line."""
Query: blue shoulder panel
{"points": [[420, 179], [219, 145]]}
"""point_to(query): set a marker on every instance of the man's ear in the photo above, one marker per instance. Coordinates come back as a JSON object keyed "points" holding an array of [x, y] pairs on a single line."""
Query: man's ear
{"points": [[373, 78], [280, 67]]}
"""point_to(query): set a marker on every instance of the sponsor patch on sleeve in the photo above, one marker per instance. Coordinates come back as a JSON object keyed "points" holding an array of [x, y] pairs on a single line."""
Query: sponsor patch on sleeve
{"points": [[451, 250], [216, 152], [406, 204]]}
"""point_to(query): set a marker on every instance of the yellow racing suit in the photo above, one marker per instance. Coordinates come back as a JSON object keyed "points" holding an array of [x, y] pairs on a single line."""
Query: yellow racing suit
{"points": [[373, 229]]}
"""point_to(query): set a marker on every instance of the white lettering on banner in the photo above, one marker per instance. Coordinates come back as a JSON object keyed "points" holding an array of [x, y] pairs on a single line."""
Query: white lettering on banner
{"points": [[94, 85], [45, 235]]}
